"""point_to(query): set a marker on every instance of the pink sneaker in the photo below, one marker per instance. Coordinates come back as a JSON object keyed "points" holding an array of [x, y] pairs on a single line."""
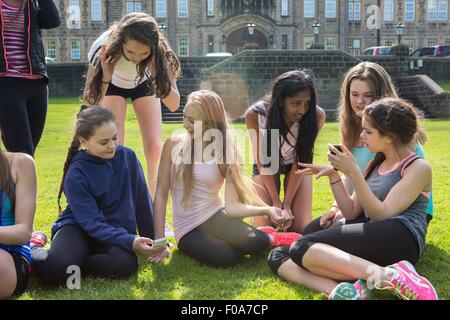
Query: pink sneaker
{"points": [[407, 284], [280, 238]]}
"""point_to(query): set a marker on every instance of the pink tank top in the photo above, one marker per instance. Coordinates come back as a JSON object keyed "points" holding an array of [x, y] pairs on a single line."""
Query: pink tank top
{"points": [[205, 200], [13, 34]]}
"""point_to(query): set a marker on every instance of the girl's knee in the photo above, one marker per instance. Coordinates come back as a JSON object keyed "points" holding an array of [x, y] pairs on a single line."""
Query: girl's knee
{"points": [[277, 257], [298, 249], [8, 282]]}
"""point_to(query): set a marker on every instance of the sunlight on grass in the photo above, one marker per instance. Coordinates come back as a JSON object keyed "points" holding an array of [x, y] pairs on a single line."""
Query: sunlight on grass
{"points": [[184, 278]]}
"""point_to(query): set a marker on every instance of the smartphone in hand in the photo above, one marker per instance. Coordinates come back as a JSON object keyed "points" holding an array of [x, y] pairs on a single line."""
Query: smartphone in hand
{"points": [[159, 242], [337, 146]]}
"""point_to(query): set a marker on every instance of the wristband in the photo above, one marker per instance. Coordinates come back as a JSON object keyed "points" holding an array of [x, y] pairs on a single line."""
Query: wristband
{"points": [[106, 82], [331, 183]]}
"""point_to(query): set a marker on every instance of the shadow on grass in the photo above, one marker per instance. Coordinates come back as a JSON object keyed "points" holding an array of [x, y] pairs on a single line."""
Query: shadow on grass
{"points": [[183, 278]]}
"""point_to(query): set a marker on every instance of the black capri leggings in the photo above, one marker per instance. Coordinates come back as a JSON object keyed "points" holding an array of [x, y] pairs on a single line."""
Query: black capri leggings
{"points": [[71, 246], [221, 241], [23, 109], [383, 242]]}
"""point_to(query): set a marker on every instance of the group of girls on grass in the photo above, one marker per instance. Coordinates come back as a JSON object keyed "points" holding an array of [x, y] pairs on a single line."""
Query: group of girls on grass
{"points": [[110, 217]]}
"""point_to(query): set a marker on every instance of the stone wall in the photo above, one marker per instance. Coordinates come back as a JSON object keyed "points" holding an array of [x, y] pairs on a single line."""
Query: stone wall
{"points": [[437, 68], [244, 78], [248, 76], [425, 94]]}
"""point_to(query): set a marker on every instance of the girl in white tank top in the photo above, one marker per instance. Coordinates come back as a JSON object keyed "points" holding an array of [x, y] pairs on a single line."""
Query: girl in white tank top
{"points": [[207, 228]]}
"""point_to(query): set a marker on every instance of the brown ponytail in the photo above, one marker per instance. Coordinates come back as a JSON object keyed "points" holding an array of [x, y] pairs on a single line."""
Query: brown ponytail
{"points": [[89, 118]]}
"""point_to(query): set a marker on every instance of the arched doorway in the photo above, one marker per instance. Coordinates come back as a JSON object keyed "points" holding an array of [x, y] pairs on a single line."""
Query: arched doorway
{"points": [[239, 38]]}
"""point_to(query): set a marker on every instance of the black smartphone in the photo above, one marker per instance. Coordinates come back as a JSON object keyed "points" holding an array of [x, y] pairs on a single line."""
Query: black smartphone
{"points": [[337, 146]]}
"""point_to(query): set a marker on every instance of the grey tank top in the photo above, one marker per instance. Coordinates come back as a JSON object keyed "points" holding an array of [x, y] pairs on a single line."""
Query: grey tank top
{"points": [[414, 218]]}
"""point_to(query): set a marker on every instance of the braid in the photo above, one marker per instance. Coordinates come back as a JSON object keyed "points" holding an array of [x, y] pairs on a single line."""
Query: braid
{"points": [[71, 152]]}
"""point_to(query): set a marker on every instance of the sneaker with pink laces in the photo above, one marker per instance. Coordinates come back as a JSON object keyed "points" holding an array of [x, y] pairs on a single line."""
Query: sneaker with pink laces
{"points": [[38, 239], [407, 284], [363, 290]]}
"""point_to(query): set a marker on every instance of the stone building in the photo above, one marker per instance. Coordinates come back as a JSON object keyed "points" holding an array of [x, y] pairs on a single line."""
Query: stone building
{"points": [[198, 27]]}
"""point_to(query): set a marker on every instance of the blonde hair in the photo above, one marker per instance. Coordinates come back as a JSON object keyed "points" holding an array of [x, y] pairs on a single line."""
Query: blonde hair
{"points": [[211, 112], [381, 86]]}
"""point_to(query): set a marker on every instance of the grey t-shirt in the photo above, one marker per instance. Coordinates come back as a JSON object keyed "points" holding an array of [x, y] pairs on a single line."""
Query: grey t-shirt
{"points": [[414, 218]]}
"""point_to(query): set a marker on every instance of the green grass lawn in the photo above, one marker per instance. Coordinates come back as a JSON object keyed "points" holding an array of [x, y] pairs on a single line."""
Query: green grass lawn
{"points": [[183, 278], [445, 85]]}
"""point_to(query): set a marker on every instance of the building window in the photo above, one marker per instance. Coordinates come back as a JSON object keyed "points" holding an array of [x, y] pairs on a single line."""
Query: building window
{"points": [[284, 41], [330, 10], [388, 42], [409, 10], [160, 9], [309, 8], [447, 42], [210, 44], [182, 8], [431, 42], [354, 10], [330, 43], [134, 6], [51, 49], [354, 46], [443, 10], [183, 46], [73, 20], [437, 10], [210, 8], [308, 41], [388, 10], [96, 10], [284, 8], [75, 47], [410, 43]]}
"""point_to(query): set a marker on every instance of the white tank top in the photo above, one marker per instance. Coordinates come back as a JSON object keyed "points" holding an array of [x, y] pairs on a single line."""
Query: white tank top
{"points": [[125, 75], [205, 200], [287, 146]]}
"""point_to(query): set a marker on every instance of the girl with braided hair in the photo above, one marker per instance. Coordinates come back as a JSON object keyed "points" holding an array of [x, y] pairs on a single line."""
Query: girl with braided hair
{"points": [[108, 201]]}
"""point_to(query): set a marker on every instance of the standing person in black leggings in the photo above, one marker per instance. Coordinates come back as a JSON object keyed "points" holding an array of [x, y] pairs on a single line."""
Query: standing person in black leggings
{"points": [[385, 218], [108, 202], [23, 75]]}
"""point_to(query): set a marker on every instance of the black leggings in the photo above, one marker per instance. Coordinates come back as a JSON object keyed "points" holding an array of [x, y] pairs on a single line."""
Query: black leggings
{"points": [[221, 241], [23, 109], [383, 242], [71, 246]]}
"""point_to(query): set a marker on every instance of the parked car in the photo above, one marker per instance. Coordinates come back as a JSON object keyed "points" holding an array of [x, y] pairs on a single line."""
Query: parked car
{"points": [[435, 51], [219, 54], [377, 51], [49, 60]]}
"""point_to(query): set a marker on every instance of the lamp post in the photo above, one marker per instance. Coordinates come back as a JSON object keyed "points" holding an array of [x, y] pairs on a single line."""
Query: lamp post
{"points": [[162, 28], [251, 30], [399, 31], [316, 29]]}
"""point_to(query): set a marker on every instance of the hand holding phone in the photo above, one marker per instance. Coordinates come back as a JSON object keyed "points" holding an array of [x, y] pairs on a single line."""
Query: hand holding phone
{"points": [[338, 147], [159, 242]]}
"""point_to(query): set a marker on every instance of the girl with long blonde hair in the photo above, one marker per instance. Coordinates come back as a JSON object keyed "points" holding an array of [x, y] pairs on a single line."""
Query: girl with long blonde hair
{"points": [[207, 228]]}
